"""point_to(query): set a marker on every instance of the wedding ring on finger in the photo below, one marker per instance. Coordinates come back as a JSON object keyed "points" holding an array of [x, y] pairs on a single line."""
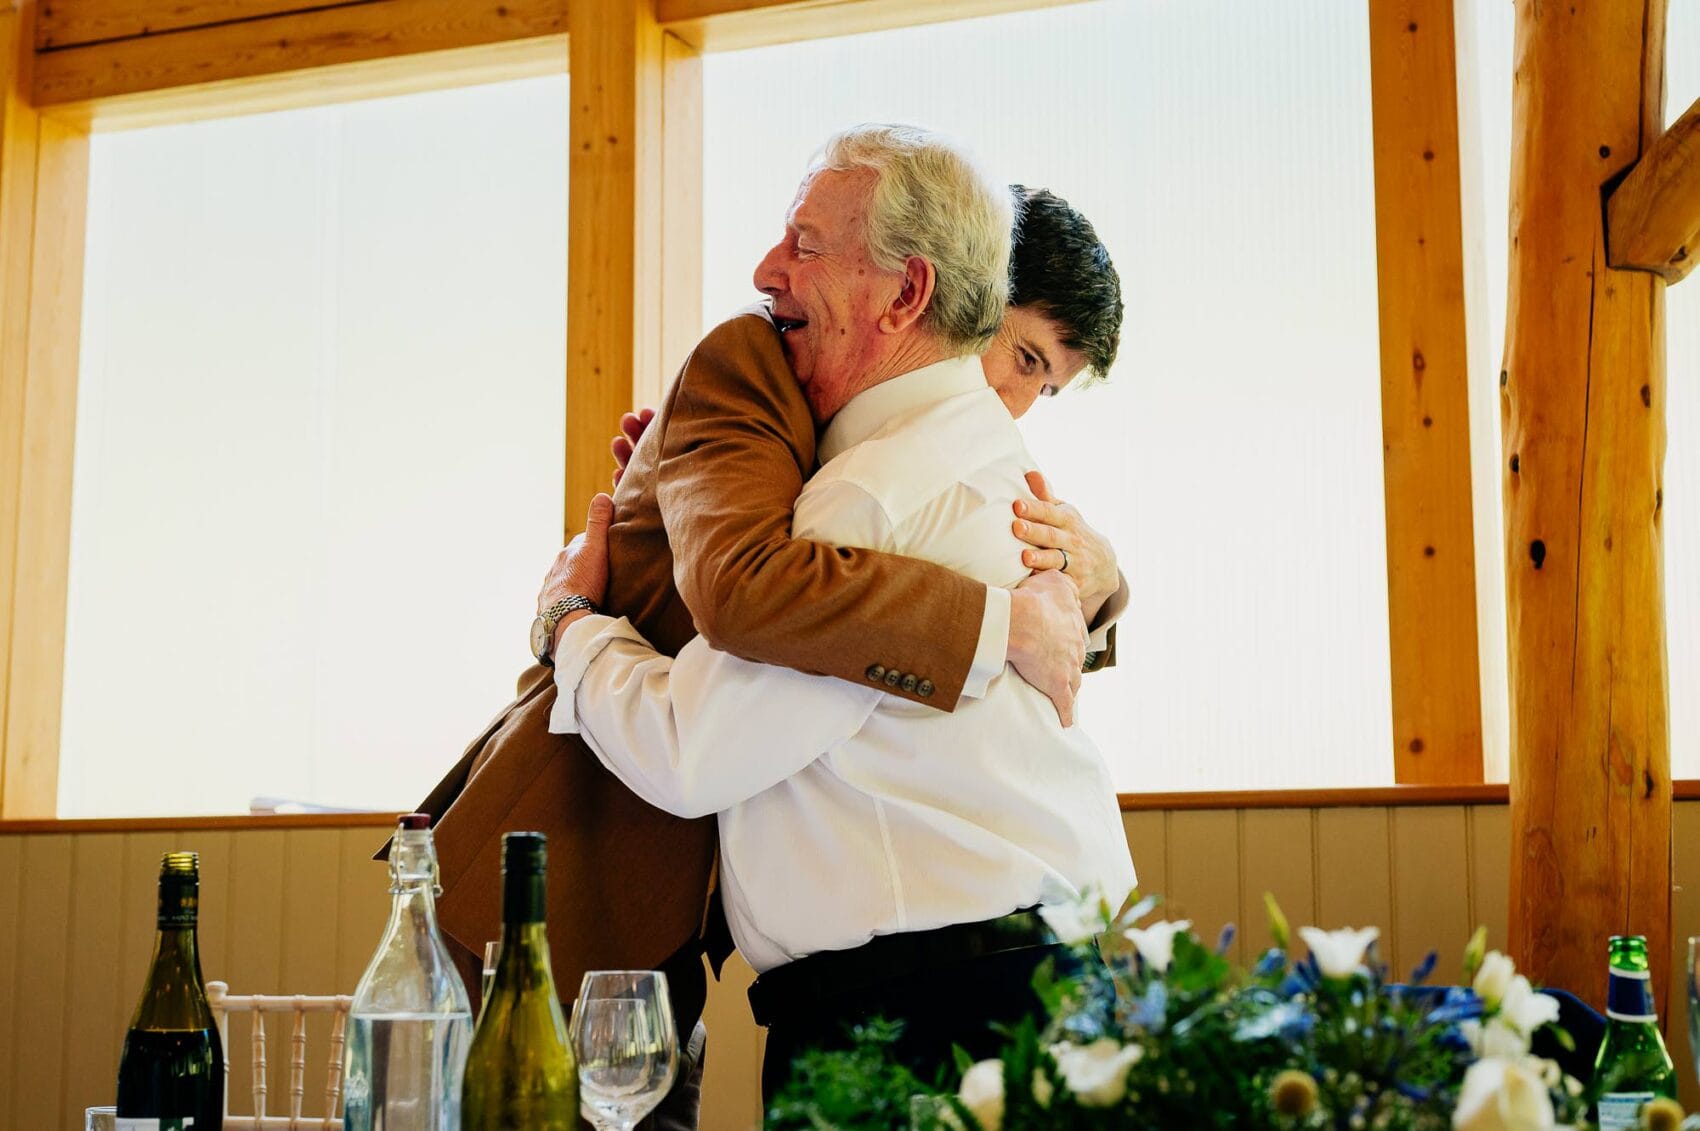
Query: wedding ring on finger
{"points": [[1064, 553]]}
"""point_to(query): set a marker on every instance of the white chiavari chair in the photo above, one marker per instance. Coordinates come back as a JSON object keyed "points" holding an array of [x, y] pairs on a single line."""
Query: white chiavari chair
{"points": [[223, 1003]]}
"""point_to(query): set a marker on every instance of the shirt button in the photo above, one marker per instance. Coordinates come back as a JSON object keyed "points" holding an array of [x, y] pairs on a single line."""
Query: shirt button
{"points": [[909, 683], [876, 673], [925, 689], [893, 678]]}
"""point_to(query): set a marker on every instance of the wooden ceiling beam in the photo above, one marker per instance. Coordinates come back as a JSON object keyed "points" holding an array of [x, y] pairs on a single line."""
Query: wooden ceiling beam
{"points": [[1653, 217], [309, 57], [732, 25]]}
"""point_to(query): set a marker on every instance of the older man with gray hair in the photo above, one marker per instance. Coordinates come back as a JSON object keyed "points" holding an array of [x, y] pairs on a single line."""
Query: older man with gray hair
{"points": [[877, 857]]}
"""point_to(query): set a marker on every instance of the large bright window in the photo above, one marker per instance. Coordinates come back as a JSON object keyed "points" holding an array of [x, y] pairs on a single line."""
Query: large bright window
{"points": [[319, 448], [1223, 152]]}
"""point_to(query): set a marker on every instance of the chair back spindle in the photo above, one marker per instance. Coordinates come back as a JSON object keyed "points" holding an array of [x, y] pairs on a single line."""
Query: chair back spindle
{"points": [[223, 1003]]}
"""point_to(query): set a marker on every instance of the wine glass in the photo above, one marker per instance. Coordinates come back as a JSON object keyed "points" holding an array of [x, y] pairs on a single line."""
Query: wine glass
{"points": [[628, 1052], [492, 959]]}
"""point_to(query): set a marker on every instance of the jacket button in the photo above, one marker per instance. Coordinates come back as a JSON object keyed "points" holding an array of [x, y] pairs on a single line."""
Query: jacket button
{"points": [[876, 673], [893, 678], [909, 683], [925, 689]]}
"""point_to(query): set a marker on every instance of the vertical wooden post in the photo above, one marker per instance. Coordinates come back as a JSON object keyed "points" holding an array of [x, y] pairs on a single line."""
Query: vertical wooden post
{"points": [[1425, 405], [43, 203], [1582, 393], [634, 230]]}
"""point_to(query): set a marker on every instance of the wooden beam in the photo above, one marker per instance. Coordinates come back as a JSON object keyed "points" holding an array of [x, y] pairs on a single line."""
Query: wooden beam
{"points": [[732, 25], [1583, 392], [67, 23], [1425, 403], [43, 203], [1653, 217], [634, 259], [310, 56]]}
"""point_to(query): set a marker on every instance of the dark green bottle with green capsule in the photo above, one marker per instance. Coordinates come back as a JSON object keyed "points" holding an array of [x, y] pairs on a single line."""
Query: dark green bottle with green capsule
{"points": [[1632, 1067], [171, 1073]]}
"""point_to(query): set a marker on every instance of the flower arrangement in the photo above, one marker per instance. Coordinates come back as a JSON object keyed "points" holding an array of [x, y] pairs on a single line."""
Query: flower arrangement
{"points": [[1164, 1032]]}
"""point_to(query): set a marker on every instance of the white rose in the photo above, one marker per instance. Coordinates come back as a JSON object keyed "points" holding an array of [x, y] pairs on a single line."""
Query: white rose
{"points": [[1503, 1095], [982, 1093], [1097, 1073], [1156, 943], [1340, 953], [1494, 978], [1075, 922], [1524, 1009]]}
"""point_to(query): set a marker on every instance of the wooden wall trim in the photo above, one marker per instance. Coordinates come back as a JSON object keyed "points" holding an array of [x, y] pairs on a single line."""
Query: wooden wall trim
{"points": [[1425, 402], [210, 68], [732, 25], [43, 206], [70, 23], [234, 823]]}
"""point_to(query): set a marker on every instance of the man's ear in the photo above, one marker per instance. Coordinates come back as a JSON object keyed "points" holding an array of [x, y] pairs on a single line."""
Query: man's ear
{"points": [[913, 297]]}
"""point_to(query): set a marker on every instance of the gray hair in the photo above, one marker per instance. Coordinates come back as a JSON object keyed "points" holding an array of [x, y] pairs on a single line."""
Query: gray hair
{"points": [[931, 199]]}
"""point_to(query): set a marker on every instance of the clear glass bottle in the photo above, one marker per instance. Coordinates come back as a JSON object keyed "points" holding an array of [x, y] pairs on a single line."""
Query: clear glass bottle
{"points": [[411, 1021], [1632, 1066], [171, 1073], [521, 1075]]}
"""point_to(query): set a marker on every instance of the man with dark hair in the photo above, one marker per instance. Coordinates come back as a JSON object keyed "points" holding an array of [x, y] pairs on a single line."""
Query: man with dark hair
{"points": [[1065, 304]]}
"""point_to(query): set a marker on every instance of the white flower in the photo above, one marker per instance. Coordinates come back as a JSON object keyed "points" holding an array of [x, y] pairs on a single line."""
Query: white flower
{"points": [[982, 1093], [1075, 922], [1494, 978], [1494, 1038], [1524, 1009], [1097, 1073], [1339, 953], [1156, 943], [1503, 1095]]}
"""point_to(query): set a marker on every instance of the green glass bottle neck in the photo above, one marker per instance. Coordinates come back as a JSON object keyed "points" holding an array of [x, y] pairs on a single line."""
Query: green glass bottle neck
{"points": [[523, 896]]}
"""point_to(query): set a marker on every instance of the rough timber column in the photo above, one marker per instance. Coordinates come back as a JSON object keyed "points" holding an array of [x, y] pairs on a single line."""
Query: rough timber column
{"points": [[1582, 393], [634, 225]]}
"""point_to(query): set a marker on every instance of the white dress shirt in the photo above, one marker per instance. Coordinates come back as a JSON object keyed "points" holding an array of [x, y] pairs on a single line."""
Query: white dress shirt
{"points": [[846, 813]]}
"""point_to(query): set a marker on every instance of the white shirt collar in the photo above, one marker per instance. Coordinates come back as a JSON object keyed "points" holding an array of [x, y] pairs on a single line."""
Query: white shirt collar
{"points": [[874, 408]]}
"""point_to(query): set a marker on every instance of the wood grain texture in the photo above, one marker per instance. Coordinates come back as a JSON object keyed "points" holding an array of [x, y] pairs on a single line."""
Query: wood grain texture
{"points": [[11, 1021], [1583, 422], [1653, 217], [66, 23], [732, 25], [20, 128], [634, 208], [304, 41], [1425, 404], [41, 542]]}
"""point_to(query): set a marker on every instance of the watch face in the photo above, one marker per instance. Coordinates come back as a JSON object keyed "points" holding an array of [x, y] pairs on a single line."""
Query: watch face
{"points": [[540, 638]]}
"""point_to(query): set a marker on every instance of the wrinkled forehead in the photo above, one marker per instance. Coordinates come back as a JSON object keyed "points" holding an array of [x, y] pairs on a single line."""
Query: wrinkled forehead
{"points": [[831, 200]]}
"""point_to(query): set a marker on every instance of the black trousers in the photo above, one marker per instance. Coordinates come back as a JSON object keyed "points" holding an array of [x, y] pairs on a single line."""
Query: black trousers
{"points": [[939, 1007]]}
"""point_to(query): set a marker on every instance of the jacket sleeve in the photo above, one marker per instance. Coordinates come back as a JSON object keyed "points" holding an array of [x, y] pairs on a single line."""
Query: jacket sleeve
{"points": [[737, 446]]}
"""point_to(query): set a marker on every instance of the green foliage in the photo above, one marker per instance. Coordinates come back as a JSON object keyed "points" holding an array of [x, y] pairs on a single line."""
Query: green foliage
{"points": [[857, 1089]]}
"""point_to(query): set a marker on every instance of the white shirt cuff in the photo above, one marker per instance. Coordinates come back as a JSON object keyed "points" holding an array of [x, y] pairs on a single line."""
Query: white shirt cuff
{"points": [[993, 649], [1098, 639], [581, 642]]}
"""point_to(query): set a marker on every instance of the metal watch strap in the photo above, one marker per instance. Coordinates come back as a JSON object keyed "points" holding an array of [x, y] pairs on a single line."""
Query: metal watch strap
{"points": [[551, 617]]}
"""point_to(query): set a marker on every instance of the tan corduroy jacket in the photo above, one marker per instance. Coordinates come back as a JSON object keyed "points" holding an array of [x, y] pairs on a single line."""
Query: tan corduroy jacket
{"points": [[702, 521]]}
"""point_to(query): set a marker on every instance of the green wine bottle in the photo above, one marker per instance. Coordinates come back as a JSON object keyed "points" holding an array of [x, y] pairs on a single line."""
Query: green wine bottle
{"points": [[520, 1073], [171, 1073], [1632, 1066]]}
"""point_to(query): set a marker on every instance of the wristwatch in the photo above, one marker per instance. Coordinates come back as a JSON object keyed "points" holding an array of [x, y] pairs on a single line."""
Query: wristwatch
{"points": [[543, 628]]}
